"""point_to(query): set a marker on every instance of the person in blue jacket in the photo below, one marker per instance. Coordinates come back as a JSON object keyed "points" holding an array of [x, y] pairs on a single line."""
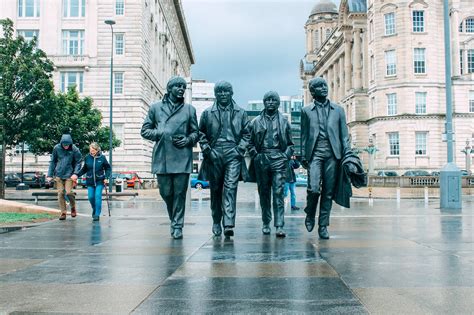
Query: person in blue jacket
{"points": [[97, 170]]}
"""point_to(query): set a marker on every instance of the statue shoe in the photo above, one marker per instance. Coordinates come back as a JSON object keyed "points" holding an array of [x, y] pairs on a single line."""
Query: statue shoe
{"points": [[323, 232], [266, 229], [280, 232], [178, 234], [228, 231], [217, 229], [309, 222]]}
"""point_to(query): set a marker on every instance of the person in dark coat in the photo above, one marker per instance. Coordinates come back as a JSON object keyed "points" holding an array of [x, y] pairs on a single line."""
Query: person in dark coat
{"points": [[172, 124], [324, 142], [291, 182], [97, 170], [65, 161], [224, 137], [270, 148]]}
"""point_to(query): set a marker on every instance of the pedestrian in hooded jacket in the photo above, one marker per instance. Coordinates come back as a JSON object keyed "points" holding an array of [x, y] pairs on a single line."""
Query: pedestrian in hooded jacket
{"points": [[97, 170], [65, 161]]}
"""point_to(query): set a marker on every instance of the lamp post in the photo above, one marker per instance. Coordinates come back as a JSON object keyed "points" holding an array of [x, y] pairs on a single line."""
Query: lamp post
{"points": [[371, 149], [467, 151], [450, 176], [111, 23]]}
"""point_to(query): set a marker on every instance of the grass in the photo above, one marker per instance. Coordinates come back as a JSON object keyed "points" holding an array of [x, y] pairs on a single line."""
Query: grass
{"points": [[17, 217]]}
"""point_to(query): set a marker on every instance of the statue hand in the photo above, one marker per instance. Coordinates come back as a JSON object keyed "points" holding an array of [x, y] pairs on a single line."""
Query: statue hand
{"points": [[305, 163], [180, 142], [352, 168]]}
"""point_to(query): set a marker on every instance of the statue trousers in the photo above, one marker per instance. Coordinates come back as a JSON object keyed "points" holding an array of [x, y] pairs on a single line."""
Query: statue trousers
{"points": [[270, 172], [223, 183], [322, 177], [173, 188]]}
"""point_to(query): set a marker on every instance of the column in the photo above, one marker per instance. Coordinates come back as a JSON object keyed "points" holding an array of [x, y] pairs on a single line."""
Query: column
{"points": [[329, 81], [365, 60], [342, 93], [455, 42], [357, 61], [347, 65]]}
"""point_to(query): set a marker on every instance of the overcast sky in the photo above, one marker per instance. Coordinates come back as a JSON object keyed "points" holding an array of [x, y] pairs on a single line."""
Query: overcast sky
{"points": [[256, 45]]}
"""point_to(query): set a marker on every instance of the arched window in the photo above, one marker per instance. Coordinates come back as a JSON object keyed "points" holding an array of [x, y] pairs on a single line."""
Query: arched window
{"points": [[469, 25]]}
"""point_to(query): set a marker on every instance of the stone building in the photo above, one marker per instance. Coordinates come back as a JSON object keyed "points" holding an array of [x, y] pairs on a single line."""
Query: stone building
{"points": [[150, 44], [384, 63]]}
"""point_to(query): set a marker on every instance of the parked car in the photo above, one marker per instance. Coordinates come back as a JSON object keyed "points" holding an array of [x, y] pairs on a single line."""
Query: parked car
{"points": [[33, 179], [129, 177], [416, 173], [11, 180], [196, 183], [464, 173], [301, 180], [435, 173], [387, 173]]}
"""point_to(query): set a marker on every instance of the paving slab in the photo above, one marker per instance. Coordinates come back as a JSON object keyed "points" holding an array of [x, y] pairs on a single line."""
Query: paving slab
{"points": [[383, 257]]}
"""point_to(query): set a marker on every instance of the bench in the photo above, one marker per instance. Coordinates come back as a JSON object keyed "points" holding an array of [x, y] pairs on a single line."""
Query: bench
{"points": [[45, 193], [122, 194], [111, 194]]}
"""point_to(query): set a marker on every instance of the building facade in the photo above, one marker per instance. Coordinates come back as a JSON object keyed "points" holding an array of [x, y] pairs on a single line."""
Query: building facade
{"points": [[150, 44], [384, 63]]}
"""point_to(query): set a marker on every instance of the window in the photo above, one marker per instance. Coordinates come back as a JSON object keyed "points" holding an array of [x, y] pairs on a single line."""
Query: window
{"points": [[73, 42], [418, 21], [118, 130], [74, 8], [420, 102], [393, 143], [419, 63], [328, 33], [119, 7], [72, 78], [471, 101], [371, 30], [391, 63], [372, 68], [29, 34], [317, 42], [118, 82], [461, 61], [119, 44], [28, 8], [373, 109], [420, 143], [470, 25], [389, 23], [392, 104], [470, 61]]}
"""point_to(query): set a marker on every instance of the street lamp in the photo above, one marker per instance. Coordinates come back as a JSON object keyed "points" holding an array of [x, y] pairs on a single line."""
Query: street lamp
{"points": [[450, 177], [111, 23]]}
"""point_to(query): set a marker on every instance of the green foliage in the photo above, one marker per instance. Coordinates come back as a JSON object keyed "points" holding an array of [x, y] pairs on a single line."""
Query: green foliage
{"points": [[16, 217], [26, 90], [77, 116]]}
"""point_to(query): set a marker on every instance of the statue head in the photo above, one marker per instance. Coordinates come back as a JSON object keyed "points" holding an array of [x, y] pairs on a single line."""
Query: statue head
{"points": [[175, 88], [318, 88], [223, 93], [271, 101]]}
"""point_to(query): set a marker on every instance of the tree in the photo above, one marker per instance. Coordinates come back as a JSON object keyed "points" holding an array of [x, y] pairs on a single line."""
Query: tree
{"points": [[76, 116], [27, 100]]}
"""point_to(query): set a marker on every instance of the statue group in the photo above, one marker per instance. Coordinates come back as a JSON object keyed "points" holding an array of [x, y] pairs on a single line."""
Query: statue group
{"points": [[225, 135]]}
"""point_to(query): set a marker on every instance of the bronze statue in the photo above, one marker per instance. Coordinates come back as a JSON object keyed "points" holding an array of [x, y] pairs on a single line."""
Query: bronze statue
{"points": [[324, 143], [224, 137], [173, 126], [270, 148]]}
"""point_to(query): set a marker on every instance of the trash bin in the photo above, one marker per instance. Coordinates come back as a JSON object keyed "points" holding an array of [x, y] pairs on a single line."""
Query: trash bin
{"points": [[119, 187]]}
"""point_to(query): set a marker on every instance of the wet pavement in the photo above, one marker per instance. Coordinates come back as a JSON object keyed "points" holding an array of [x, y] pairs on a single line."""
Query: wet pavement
{"points": [[383, 257]]}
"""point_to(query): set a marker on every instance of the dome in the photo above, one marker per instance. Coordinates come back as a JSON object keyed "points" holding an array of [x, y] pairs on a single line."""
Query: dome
{"points": [[324, 6]]}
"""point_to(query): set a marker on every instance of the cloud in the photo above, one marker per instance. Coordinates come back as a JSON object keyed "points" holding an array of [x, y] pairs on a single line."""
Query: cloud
{"points": [[256, 45]]}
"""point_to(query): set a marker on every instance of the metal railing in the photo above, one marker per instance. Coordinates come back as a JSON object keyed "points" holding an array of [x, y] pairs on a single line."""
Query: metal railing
{"points": [[413, 181]]}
